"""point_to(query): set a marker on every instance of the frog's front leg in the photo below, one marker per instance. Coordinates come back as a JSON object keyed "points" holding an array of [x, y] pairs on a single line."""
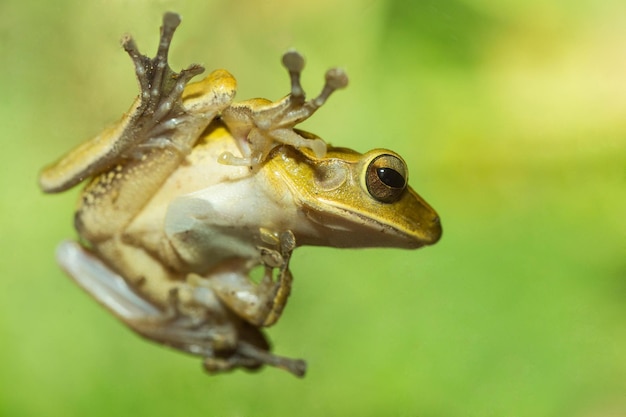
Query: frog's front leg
{"points": [[259, 125], [195, 320], [259, 304]]}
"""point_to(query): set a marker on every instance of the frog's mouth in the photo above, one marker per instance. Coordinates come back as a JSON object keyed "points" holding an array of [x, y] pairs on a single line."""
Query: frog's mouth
{"points": [[344, 228]]}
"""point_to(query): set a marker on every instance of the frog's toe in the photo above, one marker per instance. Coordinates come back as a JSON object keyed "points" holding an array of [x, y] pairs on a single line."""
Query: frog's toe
{"points": [[278, 120], [252, 359], [161, 109], [336, 79], [227, 158], [294, 63], [161, 87], [295, 366], [299, 109], [318, 146]]}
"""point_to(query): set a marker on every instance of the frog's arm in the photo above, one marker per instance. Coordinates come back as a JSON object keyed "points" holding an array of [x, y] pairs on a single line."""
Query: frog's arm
{"points": [[152, 119], [191, 227], [259, 125], [259, 304]]}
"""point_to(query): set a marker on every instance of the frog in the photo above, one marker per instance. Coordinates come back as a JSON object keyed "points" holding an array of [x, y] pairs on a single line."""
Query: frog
{"points": [[194, 205]]}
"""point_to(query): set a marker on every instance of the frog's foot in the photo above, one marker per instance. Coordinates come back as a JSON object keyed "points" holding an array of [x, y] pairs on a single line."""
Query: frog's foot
{"points": [[212, 331], [150, 124], [259, 126], [249, 356], [160, 109], [231, 345]]}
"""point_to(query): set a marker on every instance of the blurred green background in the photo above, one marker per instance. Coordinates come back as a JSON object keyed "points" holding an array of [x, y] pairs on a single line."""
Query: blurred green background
{"points": [[512, 118]]}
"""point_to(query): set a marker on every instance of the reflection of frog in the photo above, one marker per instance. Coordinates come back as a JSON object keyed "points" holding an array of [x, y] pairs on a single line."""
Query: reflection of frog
{"points": [[190, 192]]}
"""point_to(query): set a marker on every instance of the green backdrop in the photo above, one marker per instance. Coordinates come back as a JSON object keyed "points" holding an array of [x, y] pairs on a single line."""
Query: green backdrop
{"points": [[512, 118]]}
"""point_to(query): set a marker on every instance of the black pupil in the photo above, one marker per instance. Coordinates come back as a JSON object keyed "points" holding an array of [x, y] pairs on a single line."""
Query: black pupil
{"points": [[390, 177]]}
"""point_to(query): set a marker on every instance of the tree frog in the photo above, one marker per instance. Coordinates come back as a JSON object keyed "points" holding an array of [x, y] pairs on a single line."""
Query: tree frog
{"points": [[190, 195]]}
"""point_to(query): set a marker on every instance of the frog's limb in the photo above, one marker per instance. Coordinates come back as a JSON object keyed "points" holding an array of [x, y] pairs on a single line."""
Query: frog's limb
{"points": [[114, 293], [214, 333], [161, 88], [149, 122], [259, 125], [107, 287], [252, 357], [259, 304], [163, 136]]}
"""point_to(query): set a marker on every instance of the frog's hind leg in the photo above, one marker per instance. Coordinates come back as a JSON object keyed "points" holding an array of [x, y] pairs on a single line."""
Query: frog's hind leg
{"points": [[147, 125], [221, 338], [169, 325], [107, 287], [161, 89]]}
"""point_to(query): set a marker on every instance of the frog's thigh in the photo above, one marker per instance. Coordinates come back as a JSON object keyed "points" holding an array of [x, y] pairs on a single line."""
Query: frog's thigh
{"points": [[107, 287], [169, 325]]}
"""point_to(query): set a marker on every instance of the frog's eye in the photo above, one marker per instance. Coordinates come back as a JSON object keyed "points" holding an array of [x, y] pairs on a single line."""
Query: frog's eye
{"points": [[386, 178]]}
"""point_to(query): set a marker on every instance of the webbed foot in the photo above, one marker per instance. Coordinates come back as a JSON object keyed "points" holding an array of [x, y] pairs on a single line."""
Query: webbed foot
{"points": [[259, 125], [161, 88], [147, 125]]}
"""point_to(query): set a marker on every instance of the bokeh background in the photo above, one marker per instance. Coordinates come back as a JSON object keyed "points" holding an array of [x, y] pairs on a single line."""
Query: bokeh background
{"points": [[512, 118]]}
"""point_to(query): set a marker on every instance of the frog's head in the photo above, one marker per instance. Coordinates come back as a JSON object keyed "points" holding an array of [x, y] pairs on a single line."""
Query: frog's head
{"points": [[356, 200]]}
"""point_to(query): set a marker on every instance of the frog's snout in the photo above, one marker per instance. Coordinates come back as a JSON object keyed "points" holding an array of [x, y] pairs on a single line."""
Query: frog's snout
{"points": [[435, 231]]}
